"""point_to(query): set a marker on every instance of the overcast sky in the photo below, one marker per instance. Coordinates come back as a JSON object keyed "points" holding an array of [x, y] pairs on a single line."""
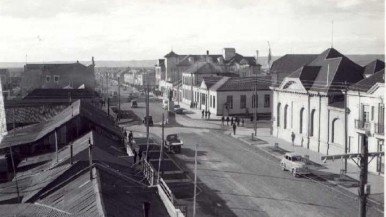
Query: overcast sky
{"points": [[49, 30]]}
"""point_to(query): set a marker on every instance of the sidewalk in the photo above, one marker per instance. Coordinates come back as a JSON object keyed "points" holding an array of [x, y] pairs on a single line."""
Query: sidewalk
{"points": [[329, 171]]}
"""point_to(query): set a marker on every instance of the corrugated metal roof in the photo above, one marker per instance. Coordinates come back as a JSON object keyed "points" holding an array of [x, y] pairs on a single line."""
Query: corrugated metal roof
{"points": [[31, 210]]}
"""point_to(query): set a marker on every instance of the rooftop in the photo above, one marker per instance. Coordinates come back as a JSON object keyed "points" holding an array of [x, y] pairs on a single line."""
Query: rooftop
{"points": [[367, 83]]}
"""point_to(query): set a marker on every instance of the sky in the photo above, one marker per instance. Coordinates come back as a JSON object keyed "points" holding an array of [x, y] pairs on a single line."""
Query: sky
{"points": [[67, 30]]}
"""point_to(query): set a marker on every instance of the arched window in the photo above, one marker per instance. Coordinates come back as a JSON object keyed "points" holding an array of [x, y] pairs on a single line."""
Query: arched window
{"points": [[301, 120], [312, 122], [285, 116], [333, 127], [278, 114]]}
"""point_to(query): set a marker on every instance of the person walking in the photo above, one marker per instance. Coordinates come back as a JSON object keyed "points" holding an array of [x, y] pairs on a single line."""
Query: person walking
{"points": [[135, 156], [228, 121], [238, 121], [222, 120], [131, 137], [140, 156], [208, 114], [203, 112], [231, 120], [293, 138], [242, 122], [234, 128]]}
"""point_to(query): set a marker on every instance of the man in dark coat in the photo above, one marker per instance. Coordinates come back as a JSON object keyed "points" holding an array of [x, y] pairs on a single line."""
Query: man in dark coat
{"points": [[228, 121], [234, 128]]}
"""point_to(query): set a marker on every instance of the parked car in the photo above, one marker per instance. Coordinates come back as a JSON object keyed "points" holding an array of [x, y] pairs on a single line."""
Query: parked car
{"points": [[134, 104], [179, 111], [150, 120], [176, 107], [173, 143], [295, 164]]}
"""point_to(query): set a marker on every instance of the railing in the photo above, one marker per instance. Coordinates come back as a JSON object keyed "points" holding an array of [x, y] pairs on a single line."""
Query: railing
{"points": [[379, 128], [362, 125], [167, 190], [148, 172]]}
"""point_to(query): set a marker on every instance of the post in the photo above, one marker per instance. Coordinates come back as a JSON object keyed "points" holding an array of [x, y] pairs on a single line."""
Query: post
{"points": [[119, 96], [147, 120], [71, 153], [345, 127], [14, 174], [255, 113], [13, 121], [90, 157], [146, 208], [108, 106], [195, 181], [56, 145], [161, 151], [363, 177]]}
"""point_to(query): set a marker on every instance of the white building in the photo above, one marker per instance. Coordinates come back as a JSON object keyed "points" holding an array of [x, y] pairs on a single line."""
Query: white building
{"points": [[304, 101], [367, 117]]}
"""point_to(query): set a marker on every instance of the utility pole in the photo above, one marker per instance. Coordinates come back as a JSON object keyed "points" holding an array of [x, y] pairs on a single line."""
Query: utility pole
{"points": [[119, 96], [255, 112], [161, 151], [195, 181], [345, 126], [363, 177], [147, 119]]}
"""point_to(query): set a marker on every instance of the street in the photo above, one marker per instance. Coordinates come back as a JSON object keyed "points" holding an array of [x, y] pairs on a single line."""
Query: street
{"points": [[242, 180]]}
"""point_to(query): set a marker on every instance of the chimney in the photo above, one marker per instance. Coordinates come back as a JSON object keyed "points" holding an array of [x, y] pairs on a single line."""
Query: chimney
{"points": [[257, 56], [146, 208], [90, 156], [92, 61]]}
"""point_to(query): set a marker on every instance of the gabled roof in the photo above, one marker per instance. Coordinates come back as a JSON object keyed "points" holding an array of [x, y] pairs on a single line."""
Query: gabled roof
{"points": [[373, 67], [242, 84], [238, 59], [197, 58], [39, 94], [367, 83], [210, 81], [291, 62], [35, 132], [306, 75], [171, 54]]}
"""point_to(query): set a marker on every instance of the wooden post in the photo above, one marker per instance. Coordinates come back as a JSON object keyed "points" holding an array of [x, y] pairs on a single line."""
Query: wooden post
{"points": [[90, 157]]}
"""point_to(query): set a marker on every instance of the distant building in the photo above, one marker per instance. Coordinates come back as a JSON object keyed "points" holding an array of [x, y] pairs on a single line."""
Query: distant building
{"points": [[160, 71], [69, 75], [235, 96]]}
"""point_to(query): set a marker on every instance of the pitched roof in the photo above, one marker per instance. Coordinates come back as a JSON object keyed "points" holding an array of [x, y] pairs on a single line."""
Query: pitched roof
{"points": [[54, 66], [35, 132], [242, 84], [197, 58], [210, 81], [170, 54], [373, 67], [31, 210], [291, 62], [238, 59], [367, 83], [306, 75]]}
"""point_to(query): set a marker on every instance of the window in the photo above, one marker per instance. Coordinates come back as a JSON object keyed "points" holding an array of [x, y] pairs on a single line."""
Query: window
{"points": [[210, 101], [372, 113], [56, 79], [214, 101], [301, 120], [278, 115], [312, 122], [48, 78], [267, 100], [254, 101], [230, 102], [243, 101], [333, 129], [365, 113], [285, 116]]}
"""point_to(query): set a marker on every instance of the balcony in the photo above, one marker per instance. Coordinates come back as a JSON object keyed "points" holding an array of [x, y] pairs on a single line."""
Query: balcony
{"points": [[362, 125], [379, 128]]}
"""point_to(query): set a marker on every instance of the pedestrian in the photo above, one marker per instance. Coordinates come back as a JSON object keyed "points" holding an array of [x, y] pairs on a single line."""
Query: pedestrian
{"points": [[238, 121], [234, 128], [140, 156], [131, 137], [135, 156], [208, 114], [293, 138], [232, 121], [228, 121], [242, 122], [222, 120], [203, 112]]}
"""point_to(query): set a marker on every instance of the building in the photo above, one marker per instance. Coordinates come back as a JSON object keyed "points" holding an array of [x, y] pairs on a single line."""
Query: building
{"points": [[366, 119], [373, 67], [160, 71], [244, 96], [57, 76], [302, 100]]}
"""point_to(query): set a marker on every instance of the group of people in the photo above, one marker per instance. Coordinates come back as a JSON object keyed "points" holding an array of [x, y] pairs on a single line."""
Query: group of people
{"points": [[206, 114], [235, 120], [136, 150]]}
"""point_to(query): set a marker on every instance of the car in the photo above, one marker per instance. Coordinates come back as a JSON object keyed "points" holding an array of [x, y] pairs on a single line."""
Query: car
{"points": [[150, 120], [173, 143], [176, 107], [179, 111], [134, 104], [295, 163]]}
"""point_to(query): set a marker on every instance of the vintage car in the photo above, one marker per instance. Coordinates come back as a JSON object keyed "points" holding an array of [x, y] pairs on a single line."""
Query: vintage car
{"points": [[295, 164], [134, 104], [150, 120], [173, 143]]}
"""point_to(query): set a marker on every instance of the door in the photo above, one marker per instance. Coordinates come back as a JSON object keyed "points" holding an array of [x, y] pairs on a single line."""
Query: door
{"points": [[380, 159]]}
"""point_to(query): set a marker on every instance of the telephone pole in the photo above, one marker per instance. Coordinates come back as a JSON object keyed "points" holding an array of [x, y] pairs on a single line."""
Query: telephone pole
{"points": [[147, 119], [195, 181], [345, 126], [161, 151]]}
